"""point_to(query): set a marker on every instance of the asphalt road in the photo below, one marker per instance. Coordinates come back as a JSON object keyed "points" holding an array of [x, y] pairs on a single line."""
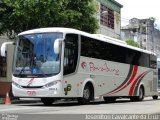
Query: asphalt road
{"points": [[71, 110]]}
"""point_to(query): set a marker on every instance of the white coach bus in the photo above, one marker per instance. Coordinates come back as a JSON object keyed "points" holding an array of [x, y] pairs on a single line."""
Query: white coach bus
{"points": [[55, 63]]}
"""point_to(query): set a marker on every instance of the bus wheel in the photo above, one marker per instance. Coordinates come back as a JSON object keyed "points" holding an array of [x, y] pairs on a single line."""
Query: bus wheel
{"points": [[140, 96], [86, 96], [155, 97], [47, 101], [109, 99]]}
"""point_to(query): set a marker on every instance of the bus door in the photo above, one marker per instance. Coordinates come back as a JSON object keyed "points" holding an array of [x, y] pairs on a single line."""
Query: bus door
{"points": [[70, 63]]}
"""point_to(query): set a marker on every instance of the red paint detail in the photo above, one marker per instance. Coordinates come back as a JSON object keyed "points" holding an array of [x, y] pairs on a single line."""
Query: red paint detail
{"points": [[133, 74], [30, 82], [135, 69], [83, 65], [135, 82]]}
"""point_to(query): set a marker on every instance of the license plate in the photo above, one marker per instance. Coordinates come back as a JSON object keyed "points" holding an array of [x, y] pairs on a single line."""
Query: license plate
{"points": [[31, 93]]}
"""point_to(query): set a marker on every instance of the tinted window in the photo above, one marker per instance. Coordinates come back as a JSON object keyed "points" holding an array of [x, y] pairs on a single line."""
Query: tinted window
{"points": [[153, 61], [107, 51], [70, 53]]}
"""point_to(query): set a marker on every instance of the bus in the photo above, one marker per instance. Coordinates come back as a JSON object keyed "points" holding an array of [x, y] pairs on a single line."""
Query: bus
{"points": [[60, 63]]}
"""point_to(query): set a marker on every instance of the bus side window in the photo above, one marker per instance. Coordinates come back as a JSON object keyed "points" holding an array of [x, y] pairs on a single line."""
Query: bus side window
{"points": [[70, 53], [153, 61]]}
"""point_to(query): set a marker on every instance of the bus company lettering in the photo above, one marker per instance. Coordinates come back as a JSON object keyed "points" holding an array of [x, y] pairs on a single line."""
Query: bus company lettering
{"points": [[104, 68]]}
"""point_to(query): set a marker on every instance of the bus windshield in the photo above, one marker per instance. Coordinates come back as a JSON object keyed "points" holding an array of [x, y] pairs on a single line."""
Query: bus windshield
{"points": [[34, 55]]}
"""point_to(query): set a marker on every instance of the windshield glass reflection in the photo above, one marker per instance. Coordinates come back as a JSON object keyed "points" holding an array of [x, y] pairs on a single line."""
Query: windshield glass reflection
{"points": [[35, 55]]}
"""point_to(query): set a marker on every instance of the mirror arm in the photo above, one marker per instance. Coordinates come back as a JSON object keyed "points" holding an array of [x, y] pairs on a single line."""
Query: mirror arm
{"points": [[3, 47]]}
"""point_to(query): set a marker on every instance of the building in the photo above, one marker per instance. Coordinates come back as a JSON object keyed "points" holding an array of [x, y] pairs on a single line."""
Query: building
{"points": [[5, 68], [109, 15], [143, 32], [156, 36]]}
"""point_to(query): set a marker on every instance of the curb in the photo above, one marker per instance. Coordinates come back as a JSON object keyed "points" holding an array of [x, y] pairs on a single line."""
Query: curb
{"points": [[20, 101]]}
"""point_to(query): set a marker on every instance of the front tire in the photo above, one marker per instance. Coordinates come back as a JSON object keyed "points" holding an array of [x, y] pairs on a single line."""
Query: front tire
{"points": [[86, 96], [47, 101]]}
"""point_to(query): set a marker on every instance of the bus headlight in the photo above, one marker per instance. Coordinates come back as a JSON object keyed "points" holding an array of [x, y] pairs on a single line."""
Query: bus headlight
{"points": [[51, 84], [16, 84]]}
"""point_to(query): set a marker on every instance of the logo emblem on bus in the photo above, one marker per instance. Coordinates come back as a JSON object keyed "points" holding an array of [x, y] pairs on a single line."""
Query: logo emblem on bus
{"points": [[84, 65]]}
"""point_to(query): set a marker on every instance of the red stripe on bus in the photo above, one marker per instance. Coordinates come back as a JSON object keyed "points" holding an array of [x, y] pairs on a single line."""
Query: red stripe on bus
{"points": [[30, 82], [135, 69], [135, 82]]}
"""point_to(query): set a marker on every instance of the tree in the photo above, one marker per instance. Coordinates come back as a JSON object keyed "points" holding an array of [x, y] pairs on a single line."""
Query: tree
{"points": [[152, 18], [132, 43], [20, 15]]}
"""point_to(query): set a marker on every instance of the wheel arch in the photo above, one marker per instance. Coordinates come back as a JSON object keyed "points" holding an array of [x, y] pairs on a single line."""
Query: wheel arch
{"points": [[91, 84], [141, 86]]}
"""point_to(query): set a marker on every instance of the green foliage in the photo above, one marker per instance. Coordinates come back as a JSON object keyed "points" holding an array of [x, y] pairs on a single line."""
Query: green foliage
{"points": [[20, 15], [152, 18], [132, 43]]}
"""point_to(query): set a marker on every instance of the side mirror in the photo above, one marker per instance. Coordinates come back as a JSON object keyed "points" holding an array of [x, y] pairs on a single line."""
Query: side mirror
{"points": [[57, 44], [3, 48]]}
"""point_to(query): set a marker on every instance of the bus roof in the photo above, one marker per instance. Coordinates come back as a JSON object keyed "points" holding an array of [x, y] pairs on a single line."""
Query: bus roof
{"points": [[94, 36]]}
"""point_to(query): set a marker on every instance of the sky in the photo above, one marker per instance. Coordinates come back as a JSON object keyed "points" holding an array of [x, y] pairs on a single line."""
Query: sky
{"points": [[140, 9]]}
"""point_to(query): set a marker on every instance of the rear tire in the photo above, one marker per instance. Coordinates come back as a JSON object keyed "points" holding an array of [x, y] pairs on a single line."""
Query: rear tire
{"points": [[47, 101], [140, 96], [86, 96]]}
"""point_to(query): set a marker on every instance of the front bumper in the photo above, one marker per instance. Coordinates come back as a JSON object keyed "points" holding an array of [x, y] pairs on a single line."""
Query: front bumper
{"points": [[54, 91]]}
